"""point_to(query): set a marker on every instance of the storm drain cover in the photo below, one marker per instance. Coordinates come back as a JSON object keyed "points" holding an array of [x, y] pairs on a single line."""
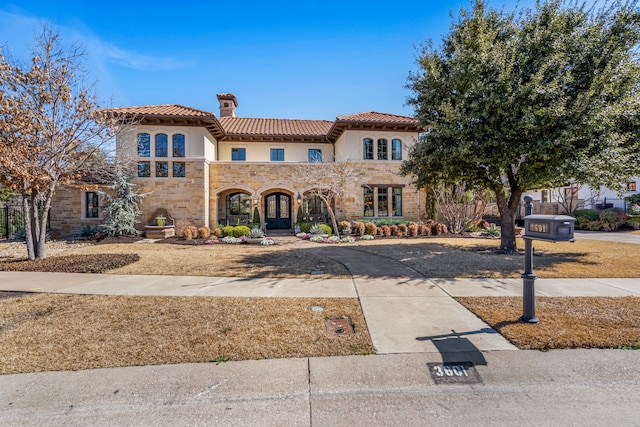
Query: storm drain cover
{"points": [[454, 373], [339, 327]]}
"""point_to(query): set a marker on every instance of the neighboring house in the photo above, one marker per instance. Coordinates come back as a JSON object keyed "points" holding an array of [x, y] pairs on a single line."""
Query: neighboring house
{"points": [[206, 170], [576, 196]]}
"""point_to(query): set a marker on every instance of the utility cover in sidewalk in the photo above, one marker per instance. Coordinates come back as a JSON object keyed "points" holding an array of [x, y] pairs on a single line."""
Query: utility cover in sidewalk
{"points": [[339, 326]]}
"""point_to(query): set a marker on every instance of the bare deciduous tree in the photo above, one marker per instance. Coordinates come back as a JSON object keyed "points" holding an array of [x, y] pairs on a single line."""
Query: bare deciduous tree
{"points": [[52, 128], [460, 206], [328, 181]]}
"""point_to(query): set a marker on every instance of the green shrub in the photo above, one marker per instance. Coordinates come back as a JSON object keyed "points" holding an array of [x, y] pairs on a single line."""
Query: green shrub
{"points": [[299, 216], [227, 230], [241, 230], [590, 214], [305, 227], [256, 215]]}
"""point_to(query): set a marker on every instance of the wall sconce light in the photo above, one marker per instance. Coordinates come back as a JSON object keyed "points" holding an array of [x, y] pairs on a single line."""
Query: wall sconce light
{"points": [[255, 201], [299, 198]]}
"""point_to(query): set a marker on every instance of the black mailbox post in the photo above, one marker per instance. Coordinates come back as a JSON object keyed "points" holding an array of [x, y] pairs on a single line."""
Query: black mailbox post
{"points": [[551, 228]]}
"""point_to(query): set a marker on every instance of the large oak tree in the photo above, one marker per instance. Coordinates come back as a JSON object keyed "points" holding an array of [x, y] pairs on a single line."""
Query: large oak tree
{"points": [[515, 101], [51, 129]]}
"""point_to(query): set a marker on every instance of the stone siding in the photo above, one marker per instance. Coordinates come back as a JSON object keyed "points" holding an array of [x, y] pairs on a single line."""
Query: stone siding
{"points": [[184, 198]]}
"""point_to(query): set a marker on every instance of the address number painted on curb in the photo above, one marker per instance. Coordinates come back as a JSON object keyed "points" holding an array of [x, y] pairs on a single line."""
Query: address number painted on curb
{"points": [[454, 373]]}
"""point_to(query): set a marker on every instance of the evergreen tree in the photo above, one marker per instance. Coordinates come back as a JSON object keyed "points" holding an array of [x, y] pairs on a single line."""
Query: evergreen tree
{"points": [[122, 206]]}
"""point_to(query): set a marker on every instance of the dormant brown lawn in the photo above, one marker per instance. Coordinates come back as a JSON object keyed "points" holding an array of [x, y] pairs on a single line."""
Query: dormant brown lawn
{"points": [[43, 332], [57, 332]]}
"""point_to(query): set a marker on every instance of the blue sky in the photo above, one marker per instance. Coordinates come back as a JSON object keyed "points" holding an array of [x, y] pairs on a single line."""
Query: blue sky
{"points": [[299, 59]]}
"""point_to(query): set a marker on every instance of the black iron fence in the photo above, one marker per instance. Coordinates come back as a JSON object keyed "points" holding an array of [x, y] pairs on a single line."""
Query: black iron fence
{"points": [[11, 220]]}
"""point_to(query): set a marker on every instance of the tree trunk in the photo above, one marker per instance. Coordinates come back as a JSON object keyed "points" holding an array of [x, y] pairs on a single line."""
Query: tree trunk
{"points": [[430, 203], [334, 223], [28, 223], [508, 209]]}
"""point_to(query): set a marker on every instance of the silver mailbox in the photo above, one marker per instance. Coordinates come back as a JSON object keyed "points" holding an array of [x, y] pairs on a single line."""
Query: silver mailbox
{"points": [[553, 228]]}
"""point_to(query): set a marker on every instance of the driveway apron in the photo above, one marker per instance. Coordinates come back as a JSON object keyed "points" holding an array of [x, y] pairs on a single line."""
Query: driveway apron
{"points": [[408, 313]]}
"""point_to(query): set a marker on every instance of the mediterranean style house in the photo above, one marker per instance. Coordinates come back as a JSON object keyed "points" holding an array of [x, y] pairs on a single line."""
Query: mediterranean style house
{"points": [[208, 170]]}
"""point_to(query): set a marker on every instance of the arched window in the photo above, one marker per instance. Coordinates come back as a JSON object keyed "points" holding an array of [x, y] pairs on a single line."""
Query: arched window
{"points": [[396, 149], [144, 145], [367, 149], [178, 145], [382, 149], [238, 204], [162, 142]]}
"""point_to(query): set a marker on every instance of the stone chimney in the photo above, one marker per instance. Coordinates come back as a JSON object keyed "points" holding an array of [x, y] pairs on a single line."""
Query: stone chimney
{"points": [[228, 104]]}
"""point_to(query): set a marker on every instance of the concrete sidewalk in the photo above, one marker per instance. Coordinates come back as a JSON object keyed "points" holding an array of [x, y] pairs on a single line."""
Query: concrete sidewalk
{"points": [[403, 314]]}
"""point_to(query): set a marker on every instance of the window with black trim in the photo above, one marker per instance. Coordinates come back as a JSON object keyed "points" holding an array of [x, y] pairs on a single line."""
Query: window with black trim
{"points": [[368, 202], [144, 169], [277, 154], [91, 204], [179, 170], [396, 149], [631, 186], [367, 149], [144, 145], [178, 145], [239, 154], [315, 155], [382, 201], [162, 145], [382, 149], [162, 169]]}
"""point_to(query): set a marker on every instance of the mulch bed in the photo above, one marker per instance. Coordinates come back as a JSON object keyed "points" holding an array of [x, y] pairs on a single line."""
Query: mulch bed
{"points": [[92, 263]]}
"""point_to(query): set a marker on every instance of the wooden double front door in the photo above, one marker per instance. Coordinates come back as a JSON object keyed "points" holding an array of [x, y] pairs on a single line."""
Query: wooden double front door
{"points": [[278, 210]]}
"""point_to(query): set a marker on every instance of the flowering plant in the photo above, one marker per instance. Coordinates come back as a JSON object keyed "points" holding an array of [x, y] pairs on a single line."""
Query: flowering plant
{"points": [[267, 242], [303, 236], [317, 239], [347, 239], [231, 239], [366, 237]]}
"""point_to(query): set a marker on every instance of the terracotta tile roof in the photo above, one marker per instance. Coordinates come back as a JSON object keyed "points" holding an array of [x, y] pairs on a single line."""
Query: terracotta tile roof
{"points": [[174, 110], [273, 127], [373, 116]]}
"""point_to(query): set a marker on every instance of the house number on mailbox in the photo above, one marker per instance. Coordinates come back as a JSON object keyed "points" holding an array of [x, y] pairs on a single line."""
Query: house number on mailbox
{"points": [[539, 227]]}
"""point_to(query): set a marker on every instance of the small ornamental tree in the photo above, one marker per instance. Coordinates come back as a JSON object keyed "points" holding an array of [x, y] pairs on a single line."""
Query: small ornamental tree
{"points": [[122, 206], [51, 129]]}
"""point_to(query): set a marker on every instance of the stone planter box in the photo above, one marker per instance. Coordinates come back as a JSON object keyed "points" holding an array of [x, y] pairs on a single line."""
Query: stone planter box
{"points": [[159, 231]]}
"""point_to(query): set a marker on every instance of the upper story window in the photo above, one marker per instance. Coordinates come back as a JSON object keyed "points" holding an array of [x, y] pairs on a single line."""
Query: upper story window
{"points": [[144, 145], [631, 186], [367, 149], [396, 149], [239, 154], [382, 149], [277, 154], [315, 155], [162, 145], [178, 145]]}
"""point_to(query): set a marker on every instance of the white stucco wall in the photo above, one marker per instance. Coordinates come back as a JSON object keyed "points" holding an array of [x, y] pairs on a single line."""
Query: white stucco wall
{"points": [[350, 143], [261, 151], [199, 143]]}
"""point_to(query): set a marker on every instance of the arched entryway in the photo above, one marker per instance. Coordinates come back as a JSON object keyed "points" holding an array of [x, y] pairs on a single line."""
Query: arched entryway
{"points": [[277, 210]]}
